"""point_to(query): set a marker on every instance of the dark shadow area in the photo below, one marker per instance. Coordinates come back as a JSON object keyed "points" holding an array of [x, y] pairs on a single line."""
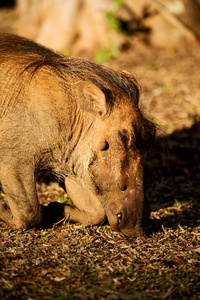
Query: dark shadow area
{"points": [[173, 176], [7, 3]]}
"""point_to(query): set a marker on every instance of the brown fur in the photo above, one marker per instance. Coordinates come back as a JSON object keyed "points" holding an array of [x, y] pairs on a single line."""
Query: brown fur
{"points": [[81, 121]]}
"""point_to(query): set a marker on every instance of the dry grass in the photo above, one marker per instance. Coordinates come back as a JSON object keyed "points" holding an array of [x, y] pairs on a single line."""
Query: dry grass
{"points": [[76, 262], [70, 261]]}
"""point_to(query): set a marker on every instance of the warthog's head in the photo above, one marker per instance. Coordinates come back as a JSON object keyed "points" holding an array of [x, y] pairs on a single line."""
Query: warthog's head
{"points": [[121, 141]]}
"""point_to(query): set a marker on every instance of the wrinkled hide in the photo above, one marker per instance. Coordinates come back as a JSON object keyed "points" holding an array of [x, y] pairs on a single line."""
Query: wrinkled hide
{"points": [[79, 120]]}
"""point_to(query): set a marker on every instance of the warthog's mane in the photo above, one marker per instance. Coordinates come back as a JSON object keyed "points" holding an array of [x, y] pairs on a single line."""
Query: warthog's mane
{"points": [[31, 56]]}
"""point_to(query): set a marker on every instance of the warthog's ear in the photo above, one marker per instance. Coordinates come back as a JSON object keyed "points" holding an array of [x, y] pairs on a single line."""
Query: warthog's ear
{"points": [[91, 98], [132, 83]]}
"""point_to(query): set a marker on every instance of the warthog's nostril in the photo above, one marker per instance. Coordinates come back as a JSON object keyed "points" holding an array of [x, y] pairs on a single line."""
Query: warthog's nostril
{"points": [[124, 187], [103, 146], [122, 184]]}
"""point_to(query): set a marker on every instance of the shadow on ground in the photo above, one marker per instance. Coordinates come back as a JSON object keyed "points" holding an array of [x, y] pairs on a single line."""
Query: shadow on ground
{"points": [[173, 176]]}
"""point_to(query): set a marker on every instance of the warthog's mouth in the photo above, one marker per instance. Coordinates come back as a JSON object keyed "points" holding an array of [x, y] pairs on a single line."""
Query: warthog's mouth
{"points": [[136, 231], [126, 219]]}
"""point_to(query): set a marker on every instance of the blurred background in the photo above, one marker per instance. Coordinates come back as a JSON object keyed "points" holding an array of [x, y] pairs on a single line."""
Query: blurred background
{"points": [[87, 27]]}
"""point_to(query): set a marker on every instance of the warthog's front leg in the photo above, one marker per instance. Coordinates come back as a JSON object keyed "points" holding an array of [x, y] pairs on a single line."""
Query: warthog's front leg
{"points": [[88, 208], [21, 208]]}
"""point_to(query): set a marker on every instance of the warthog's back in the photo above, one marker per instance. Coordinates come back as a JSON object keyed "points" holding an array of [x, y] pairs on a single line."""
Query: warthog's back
{"points": [[18, 55]]}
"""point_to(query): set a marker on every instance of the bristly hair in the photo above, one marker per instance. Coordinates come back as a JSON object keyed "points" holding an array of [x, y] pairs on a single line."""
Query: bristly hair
{"points": [[31, 56]]}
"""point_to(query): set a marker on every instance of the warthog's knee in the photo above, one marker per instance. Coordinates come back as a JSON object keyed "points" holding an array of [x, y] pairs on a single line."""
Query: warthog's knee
{"points": [[29, 221], [97, 217]]}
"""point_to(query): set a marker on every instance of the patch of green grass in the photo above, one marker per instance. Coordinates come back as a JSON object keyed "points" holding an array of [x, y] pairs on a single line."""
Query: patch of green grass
{"points": [[110, 16], [64, 200], [113, 23], [70, 297], [106, 54], [86, 226], [66, 52], [4, 256], [157, 64], [177, 202]]}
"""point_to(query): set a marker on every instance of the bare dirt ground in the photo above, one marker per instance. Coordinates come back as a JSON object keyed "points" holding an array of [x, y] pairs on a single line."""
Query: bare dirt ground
{"points": [[71, 261]]}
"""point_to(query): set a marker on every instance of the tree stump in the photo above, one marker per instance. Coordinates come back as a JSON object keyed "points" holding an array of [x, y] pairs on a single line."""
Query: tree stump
{"points": [[75, 25]]}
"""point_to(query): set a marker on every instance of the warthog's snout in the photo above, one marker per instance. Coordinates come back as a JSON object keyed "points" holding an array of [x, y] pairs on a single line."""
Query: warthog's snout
{"points": [[128, 214]]}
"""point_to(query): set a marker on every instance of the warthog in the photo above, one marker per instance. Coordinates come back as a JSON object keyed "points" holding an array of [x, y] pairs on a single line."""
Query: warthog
{"points": [[79, 120]]}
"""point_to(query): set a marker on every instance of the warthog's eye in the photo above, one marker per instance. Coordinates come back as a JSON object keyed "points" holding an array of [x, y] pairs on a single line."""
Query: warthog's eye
{"points": [[123, 136], [103, 146]]}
